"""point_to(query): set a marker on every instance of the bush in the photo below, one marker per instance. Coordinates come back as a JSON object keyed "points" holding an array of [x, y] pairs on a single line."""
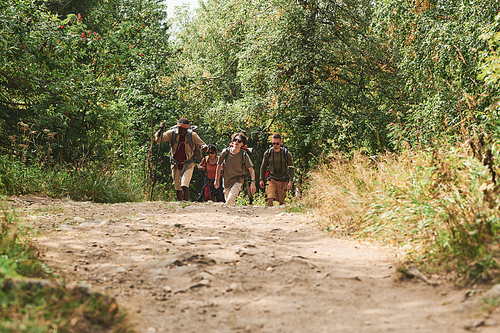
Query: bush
{"points": [[95, 182], [439, 207]]}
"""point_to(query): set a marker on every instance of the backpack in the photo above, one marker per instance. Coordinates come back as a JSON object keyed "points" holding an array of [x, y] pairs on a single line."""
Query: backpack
{"points": [[285, 153], [197, 153]]}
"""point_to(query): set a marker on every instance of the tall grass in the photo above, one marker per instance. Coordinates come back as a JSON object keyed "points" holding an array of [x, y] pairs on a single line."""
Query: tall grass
{"points": [[439, 207], [29, 167], [96, 182]]}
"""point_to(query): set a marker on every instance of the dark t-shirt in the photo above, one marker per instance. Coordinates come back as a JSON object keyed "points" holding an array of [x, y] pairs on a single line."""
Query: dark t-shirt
{"points": [[234, 170], [277, 164]]}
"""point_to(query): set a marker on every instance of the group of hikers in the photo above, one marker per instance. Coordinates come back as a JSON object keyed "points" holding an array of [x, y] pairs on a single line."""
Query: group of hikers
{"points": [[225, 173]]}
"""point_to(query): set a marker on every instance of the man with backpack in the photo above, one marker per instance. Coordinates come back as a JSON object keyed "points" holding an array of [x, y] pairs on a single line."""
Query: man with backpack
{"points": [[235, 161], [277, 168], [182, 155]]}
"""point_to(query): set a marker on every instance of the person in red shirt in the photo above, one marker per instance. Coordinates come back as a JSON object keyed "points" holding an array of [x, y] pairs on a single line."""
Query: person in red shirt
{"points": [[209, 165]]}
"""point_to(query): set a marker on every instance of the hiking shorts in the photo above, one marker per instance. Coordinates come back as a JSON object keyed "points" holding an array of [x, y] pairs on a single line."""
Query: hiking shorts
{"points": [[275, 189], [182, 179], [230, 193]]}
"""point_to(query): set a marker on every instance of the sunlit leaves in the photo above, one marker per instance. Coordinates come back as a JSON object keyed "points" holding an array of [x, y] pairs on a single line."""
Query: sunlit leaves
{"points": [[437, 48], [85, 66], [301, 67]]}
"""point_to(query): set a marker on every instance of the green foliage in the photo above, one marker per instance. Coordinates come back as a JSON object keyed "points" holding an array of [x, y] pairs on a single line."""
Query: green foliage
{"points": [[87, 82], [310, 70], [259, 199], [490, 67], [490, 304], [361, 75], [96, 182], [17, 257], [82, 83], [242, 199], [438, 207], [437, 48], [90, 81], [440, 214]]}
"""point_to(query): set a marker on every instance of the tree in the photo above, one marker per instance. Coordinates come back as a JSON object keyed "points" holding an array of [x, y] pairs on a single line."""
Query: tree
{"points": [[438, 47], [80, 79], [312, 70]]}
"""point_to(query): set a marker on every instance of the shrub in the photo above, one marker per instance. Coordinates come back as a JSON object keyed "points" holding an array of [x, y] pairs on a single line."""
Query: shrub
{"points": [[438, 207], [95, 182]]}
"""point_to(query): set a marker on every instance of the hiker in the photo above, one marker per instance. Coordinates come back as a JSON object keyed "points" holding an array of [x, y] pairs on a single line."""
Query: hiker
{"points": [[209, 165], [181, 155], [277, 169], [235, 161]]}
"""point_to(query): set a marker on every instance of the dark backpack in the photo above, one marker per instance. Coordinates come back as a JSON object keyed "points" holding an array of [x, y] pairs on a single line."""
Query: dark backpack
{"points": [[197, 153], [285, 153]]}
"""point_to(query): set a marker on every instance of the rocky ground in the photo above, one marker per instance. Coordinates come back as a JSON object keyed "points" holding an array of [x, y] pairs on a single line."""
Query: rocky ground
{"points": [[191, 267]]}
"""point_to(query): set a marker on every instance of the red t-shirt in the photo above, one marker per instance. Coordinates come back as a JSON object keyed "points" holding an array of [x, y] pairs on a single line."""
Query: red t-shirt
{"points": [[180, 153], [211, 168]]}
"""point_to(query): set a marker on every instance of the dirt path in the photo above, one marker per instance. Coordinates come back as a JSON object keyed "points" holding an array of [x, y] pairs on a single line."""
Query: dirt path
{"points": [[213, 268]]}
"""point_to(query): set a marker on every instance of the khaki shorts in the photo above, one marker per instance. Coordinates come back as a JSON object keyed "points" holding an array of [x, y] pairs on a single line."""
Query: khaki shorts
{"points": [[275, 189], [186, 177]]}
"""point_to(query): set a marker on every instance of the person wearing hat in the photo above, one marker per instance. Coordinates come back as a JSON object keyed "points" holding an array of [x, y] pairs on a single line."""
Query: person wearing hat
{"points": [[182, 154]]}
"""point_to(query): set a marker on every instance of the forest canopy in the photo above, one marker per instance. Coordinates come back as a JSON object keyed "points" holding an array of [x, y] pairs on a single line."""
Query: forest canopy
{"points": [[89, 81]]}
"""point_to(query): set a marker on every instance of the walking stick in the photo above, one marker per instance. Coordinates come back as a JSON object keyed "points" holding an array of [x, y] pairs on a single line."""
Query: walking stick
{"points": [[156, 165]]}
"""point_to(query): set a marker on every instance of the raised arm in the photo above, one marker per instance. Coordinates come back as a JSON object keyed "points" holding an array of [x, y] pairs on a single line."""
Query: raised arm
{"points": [[166, 137], [202, 166]]}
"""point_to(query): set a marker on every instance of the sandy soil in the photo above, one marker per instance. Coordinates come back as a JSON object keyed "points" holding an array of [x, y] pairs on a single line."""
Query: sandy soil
{"points": [[194, 267]]}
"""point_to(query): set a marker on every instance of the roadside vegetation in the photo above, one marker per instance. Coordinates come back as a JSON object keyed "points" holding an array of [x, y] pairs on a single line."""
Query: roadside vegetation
{"points": [[438, 207], [33, 299], [98, 183]]}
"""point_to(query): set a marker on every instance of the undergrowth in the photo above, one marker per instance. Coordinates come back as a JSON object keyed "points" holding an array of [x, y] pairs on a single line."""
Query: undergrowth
{"points": [[98, 183], [32, 299], [439, 207], [259, 198]]}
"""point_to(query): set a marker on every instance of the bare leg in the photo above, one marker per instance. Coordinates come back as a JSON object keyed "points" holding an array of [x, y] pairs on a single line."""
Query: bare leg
{"points": [[270, 202]]}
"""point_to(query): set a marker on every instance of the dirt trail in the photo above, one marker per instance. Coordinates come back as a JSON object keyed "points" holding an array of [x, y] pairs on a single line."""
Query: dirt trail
{"points": [[213, 268]]}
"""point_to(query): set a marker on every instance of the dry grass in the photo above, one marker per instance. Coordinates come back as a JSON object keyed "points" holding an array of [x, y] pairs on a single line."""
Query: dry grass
{"points": [[437, 207], [341, 188]]}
